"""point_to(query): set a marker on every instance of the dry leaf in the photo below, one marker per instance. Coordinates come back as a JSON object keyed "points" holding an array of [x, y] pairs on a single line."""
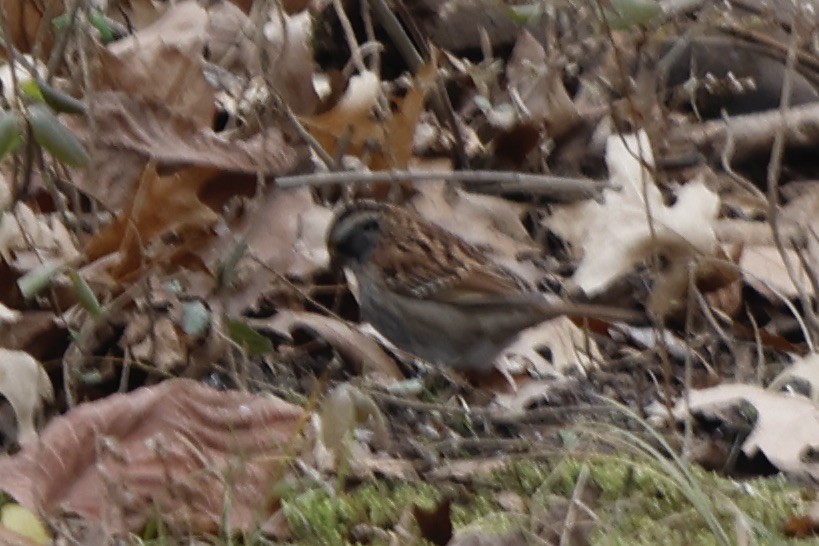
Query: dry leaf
{"points": [[25, 384], [23, 19], [156, 341], [284, 230], [150, 130], [616, 235], [162, 205], [163, 62], [786, 425], [387, 143], [361, 350], [196, 456], [540, 87], [554, 348], [763, 268], [289, 46], [23, 231]]}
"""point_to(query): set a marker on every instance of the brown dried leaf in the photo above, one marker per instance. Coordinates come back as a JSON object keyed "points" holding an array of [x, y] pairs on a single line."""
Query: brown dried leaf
{"points": [[162, 73], [162, 205], [199, 456], [163, 62], [540, 87], [151, 130], [284, 230], [35, 332], [288, 40], [387, 144], [23, 20], [361, 350], [155, 341]]}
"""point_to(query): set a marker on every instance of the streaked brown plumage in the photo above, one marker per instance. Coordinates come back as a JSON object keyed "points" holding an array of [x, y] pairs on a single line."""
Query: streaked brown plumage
{"points": [[435, 295]]}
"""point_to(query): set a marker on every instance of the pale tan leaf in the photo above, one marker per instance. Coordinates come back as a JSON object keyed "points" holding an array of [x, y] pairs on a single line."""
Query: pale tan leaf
{"points": [[786, 425], [764, 268], [25, 384], [162, 61], [285, 230], [361, 350], [540, 87], [568, 348], [617, 235], [23, 230], [288, 40]]}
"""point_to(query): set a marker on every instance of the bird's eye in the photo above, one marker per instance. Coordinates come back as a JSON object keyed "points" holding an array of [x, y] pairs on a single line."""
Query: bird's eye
{"points": [[370, 225]]}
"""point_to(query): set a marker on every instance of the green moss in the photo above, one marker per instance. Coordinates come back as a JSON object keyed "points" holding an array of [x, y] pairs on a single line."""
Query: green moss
{"points": [[637, 502], [317, 517]]}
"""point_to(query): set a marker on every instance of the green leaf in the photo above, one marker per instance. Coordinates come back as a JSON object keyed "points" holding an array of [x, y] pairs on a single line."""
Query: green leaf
{"points": [[87, 298], [195, 318], [59, 101], [54, 137], [249, 339], [10, 134], [628, 13], [38, 278], [98, 21], [523, 13], [30, 89], [61, 22], [226, 269], [90, 378]]}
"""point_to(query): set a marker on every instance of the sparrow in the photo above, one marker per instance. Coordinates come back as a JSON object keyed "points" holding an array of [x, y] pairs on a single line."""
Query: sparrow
{"points": [[432, 294]]}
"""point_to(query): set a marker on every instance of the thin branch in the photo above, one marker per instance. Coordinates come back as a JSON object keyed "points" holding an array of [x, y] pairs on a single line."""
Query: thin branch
{"points": [[556, 186]]}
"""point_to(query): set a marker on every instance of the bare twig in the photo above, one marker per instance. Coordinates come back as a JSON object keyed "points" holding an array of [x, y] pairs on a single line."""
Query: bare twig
{"points": [[440, 100], [556, 186], [773, 174]]}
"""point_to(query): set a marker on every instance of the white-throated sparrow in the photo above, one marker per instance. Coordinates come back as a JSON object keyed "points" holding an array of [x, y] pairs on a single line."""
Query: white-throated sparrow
{"points": [[434, 295]]}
